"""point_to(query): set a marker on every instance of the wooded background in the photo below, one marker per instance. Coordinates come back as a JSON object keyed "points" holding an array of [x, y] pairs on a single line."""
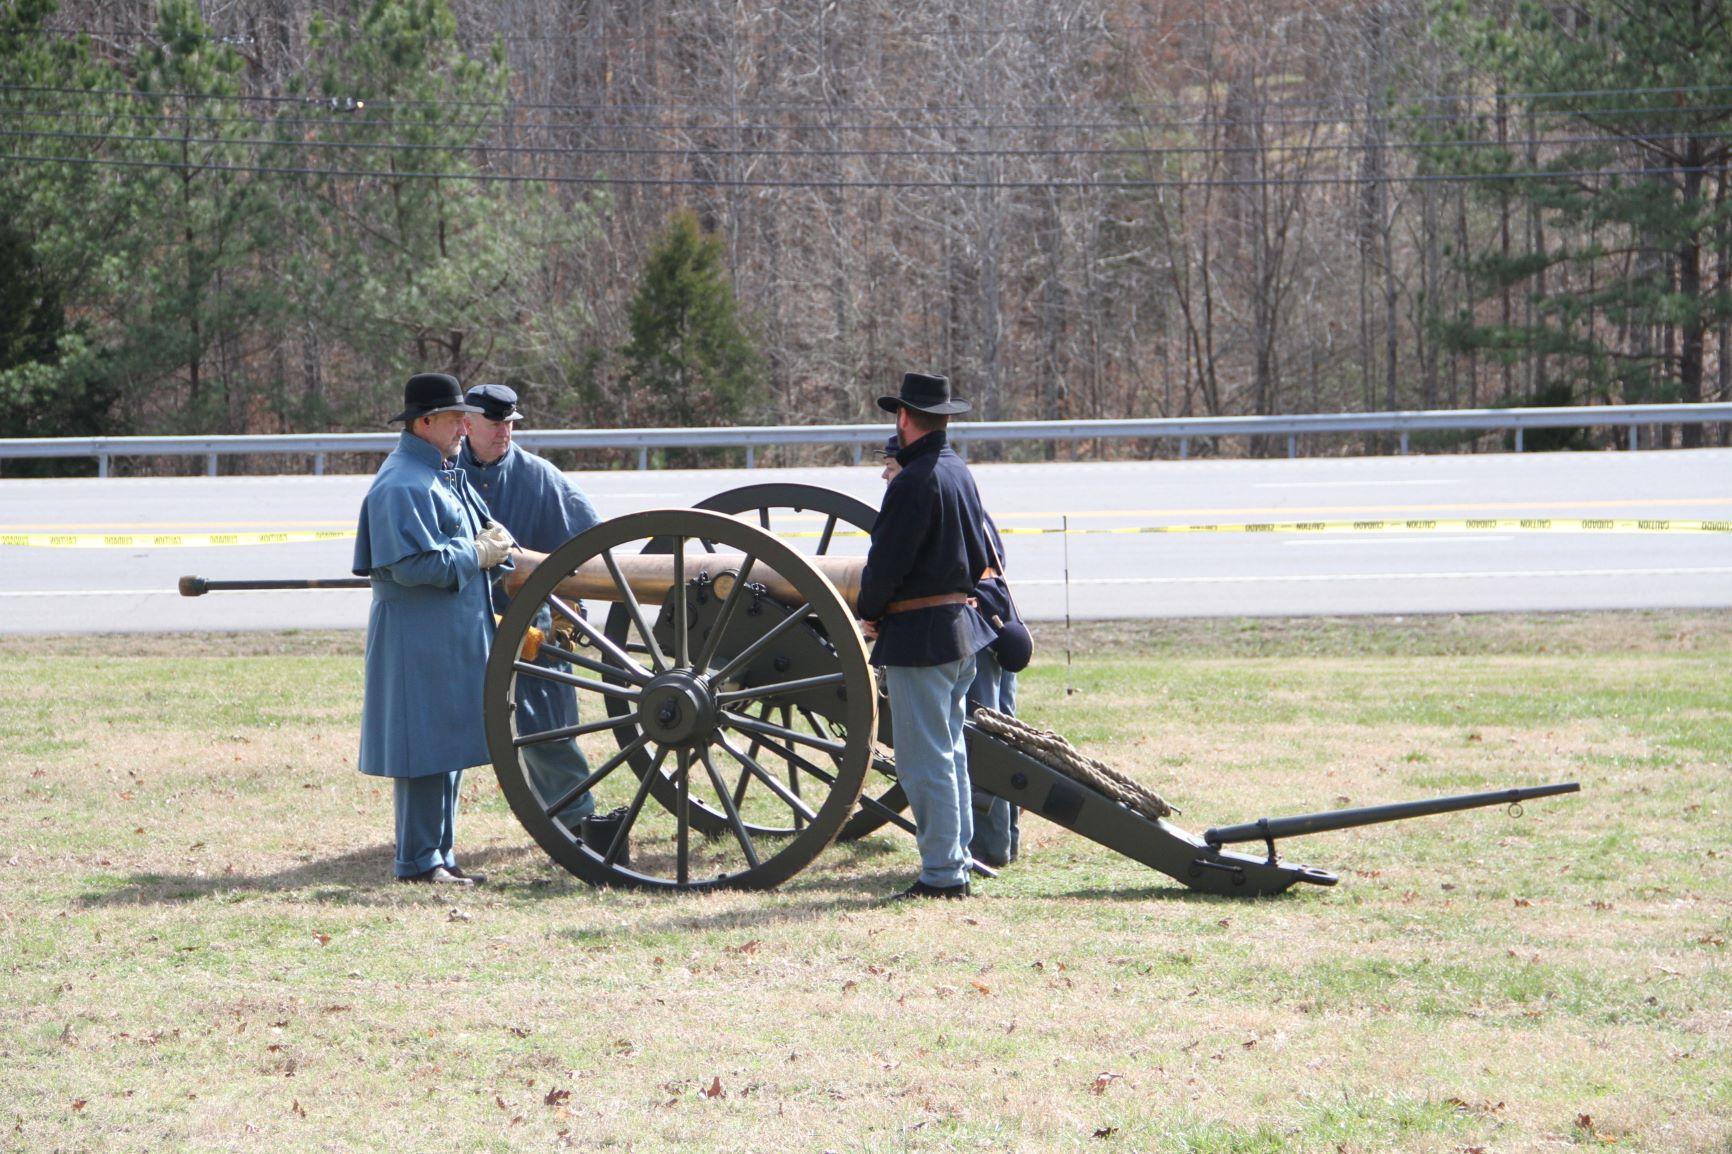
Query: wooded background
{"points": [[261, 215]]}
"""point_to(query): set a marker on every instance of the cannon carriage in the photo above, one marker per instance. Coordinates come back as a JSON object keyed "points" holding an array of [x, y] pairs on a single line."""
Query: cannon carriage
{"points": [[725, 662], [749, 726]]}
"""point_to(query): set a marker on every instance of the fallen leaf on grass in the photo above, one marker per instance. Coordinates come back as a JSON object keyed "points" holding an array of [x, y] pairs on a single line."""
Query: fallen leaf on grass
{"points": [[555, 1097], [1710, 940], [322, 939], [79, 1103], [750, 947], [850, 984], [1106, 1131], [714, 1090], [1597, 904], [500, 1102], [296, 1110], [984, 989], [1522, 903], [456, 915], [1102, 1080]]}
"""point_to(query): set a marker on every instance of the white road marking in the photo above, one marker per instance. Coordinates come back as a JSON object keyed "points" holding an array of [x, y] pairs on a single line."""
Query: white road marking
{"points": [[1348, 484], [1313, 578]]}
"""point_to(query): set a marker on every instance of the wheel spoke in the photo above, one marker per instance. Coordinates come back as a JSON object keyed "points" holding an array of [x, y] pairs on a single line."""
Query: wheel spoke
{"points": [[738, 826], [768, 729], [780, 687], [636, 610], [824, 537], [620, 836], [595, 777], [744, 656], [828, 778], [723, 616], [769, 780], [677, 602], [683, 820], [548, 649], [597, 638], [565, 732], [793, 770], [605, 688]]}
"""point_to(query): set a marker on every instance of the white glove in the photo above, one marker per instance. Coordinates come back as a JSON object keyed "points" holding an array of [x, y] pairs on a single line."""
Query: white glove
{"points": [[492, 545]]}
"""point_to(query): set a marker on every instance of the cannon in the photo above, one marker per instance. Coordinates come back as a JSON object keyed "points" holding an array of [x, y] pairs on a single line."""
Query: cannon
{"points": [[747, 725]]}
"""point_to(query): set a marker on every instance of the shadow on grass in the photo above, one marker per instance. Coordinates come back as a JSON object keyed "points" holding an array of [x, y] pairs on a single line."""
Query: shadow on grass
{"points": [[361, 876]]}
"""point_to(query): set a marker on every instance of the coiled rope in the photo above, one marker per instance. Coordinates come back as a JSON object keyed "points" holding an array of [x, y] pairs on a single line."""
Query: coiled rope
{"points": [[1061, 756]]}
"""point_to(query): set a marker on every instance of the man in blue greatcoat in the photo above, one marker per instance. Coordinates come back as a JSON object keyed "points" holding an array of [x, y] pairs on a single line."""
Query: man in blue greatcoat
{"points": [[427, 541], [928, 550], [542, 509]]}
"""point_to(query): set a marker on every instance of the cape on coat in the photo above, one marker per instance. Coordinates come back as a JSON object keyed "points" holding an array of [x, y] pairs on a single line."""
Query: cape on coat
{"points": [[431, 622], [543, 510]]}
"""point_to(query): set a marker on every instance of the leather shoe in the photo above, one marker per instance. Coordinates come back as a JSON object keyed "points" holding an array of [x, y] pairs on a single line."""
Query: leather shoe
{"points": [[464, 875], [438, 876], [921, 890]]}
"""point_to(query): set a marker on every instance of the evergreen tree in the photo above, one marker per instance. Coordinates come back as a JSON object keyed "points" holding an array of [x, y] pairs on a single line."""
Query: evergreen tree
{"points": [[1617, 283], [690, 361]]}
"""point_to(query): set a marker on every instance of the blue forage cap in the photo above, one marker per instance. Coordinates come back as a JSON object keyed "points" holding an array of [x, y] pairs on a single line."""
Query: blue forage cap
{"points": [[496, 402]]}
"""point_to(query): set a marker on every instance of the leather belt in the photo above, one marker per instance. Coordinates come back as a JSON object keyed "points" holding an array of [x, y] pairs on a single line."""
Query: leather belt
{"points": [[913, 603]]}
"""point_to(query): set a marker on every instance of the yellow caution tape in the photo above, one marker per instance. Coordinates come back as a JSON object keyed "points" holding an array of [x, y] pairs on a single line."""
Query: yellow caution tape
{"points": [[168, 540], [1384, 525], [1381, 525]]}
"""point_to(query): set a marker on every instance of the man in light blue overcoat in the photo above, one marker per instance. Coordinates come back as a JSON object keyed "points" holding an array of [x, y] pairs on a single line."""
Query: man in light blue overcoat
{"points": [[542, 509], [427, 541]]}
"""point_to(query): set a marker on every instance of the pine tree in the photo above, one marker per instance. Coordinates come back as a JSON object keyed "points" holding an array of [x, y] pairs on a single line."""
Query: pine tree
{"points": [[690, 360], [1616, 290]]}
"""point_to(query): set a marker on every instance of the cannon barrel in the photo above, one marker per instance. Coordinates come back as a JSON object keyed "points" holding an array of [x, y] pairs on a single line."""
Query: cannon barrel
{"points": [[651, 575], [1270, 829]]}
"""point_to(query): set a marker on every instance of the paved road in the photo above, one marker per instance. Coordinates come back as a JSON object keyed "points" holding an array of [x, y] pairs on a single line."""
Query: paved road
{"points": [[1448, 568]]}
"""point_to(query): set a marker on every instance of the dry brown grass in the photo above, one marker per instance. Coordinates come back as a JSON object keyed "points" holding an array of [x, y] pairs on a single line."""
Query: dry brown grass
{"points": [[202, 949]]}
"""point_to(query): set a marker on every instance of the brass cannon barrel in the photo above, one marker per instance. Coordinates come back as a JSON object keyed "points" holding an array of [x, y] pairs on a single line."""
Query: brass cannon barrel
{"points": [[651, 575]]}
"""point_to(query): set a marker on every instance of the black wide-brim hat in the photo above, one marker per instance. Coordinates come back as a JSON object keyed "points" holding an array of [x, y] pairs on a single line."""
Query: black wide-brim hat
{"points": [[429, 393], [929, 394]]}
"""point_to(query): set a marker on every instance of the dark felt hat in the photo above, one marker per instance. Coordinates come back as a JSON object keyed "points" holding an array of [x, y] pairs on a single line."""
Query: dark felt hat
{"points": [[429, 393], [497, 402], [923, 391]]}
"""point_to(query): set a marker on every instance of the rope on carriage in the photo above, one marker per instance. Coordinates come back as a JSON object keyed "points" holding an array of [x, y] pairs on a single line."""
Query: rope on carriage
{"points": [[1059, 755]]}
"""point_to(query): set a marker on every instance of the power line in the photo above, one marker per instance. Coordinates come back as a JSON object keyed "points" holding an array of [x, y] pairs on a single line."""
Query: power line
{"points": [[820, 106], [836, 184], [351, 123], [1154, 152]]}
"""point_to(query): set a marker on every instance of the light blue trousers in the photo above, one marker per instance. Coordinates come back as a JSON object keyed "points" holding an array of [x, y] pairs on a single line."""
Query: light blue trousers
{"points": [[928, 704], [997, 830], [426, 821]]}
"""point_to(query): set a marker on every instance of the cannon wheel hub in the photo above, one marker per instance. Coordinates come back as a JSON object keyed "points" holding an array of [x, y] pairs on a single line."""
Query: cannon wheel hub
{"points": [[679, 708]]}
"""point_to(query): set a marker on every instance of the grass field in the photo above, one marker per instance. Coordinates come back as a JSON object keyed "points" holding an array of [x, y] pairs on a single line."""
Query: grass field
{"points": [[203, 949]]}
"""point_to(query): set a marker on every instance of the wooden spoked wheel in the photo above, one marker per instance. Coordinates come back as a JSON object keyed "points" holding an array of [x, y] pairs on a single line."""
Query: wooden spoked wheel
{"points": [[740, 661], [815, 522]]}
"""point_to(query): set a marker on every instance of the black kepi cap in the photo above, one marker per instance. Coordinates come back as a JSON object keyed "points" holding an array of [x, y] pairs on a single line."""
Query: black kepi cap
{"points": [[497, 402], [926, 392], [891, 447], [429, 393]]}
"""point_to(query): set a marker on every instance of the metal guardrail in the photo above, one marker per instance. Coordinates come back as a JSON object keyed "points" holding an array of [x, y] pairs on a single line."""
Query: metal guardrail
{"points": [[864, 437]]}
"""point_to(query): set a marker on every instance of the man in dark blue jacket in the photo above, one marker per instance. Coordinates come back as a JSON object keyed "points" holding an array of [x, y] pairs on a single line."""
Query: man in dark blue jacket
{"points": [[928, 550]]}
